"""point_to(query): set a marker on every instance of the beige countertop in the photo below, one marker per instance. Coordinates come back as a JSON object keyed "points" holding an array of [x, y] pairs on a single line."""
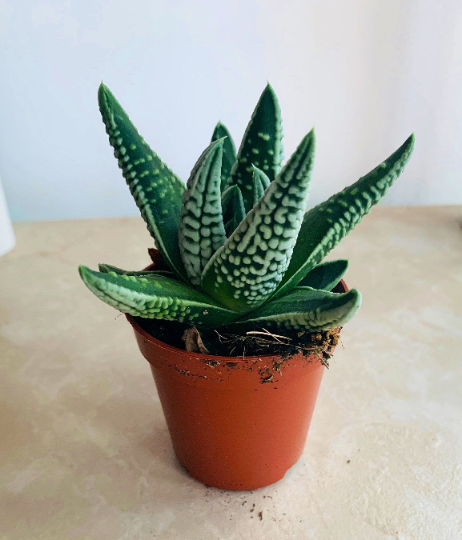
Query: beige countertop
{"points": [[85, 453]]}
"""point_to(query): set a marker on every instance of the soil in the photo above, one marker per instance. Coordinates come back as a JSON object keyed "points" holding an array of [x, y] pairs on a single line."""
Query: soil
{"points": [[221, 343]]}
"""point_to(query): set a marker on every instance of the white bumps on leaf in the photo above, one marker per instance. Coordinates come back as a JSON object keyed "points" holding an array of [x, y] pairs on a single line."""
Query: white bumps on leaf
{"points": [[201, 230], [264, 241]]}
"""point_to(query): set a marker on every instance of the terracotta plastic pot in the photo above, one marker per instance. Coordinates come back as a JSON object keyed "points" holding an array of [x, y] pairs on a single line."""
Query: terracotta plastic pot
{"points": [[235, 424]]}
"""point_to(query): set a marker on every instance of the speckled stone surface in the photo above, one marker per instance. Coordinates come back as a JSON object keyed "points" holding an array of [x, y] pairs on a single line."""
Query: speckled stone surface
{"points": [[85, 453]]}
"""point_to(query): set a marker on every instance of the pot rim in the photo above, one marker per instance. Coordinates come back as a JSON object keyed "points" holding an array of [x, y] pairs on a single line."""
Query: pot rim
{"points": [[200, 356]]}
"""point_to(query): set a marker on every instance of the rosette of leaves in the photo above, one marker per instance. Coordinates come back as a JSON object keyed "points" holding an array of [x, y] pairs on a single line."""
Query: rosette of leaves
{"points": [[241, 251]]}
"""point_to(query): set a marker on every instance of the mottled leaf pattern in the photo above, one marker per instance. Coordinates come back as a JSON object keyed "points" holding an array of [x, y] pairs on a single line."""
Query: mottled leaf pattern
{"points": [[238, 231], [201, 230], [156, 190], [248, 267], [261, 146], [156, 297], [326, 224]]}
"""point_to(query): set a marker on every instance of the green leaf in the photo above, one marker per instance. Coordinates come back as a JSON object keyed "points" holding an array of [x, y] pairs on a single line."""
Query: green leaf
{"points": [[245, 271], [261, 146], [106, 268], [229, 152], [263, 177], [156, 190], [201, 230], [303, 309], [231, 225], [233, 208], [326, 224], [325, 276], [260, 183], [156, 297]]}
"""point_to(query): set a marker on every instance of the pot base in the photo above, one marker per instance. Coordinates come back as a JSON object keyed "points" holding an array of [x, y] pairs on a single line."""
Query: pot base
{"points": [[243, 486]]}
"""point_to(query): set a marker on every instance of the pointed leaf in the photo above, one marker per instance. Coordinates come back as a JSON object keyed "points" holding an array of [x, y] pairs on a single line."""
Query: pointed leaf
{"points": [[233, 208], [201, 230], [261, 145], [156, 190], [325, 276], [231, 226], [229, 152], [106, 268], [259, 182], [326, 224], [303, 309], [244, 272], [263, 177], [156, 297]]}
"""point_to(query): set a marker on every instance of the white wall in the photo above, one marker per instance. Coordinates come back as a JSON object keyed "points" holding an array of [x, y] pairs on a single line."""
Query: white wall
{"points": [[366, 73]]}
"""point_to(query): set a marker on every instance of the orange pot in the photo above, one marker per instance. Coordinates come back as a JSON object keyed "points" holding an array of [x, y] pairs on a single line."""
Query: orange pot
{"points": [[236, 424]]}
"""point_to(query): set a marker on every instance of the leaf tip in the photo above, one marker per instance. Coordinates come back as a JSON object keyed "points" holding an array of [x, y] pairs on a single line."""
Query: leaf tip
{"points": [[408, 145], [105, 97], [269, 91], [85, 273], [354, 299]]}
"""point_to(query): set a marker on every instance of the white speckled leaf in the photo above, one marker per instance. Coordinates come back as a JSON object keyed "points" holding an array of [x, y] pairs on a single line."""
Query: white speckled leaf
{"points": [[156, 190], [245, 271], [326, 224], [156, 297], [261, 146], [201, 231]]}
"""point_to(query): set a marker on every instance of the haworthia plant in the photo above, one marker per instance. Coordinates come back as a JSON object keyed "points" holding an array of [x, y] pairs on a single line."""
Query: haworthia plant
{"points": [[241, 251]]}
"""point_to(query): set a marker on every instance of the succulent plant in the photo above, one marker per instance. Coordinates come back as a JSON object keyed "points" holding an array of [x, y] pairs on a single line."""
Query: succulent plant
{"points": [[240, 249]]}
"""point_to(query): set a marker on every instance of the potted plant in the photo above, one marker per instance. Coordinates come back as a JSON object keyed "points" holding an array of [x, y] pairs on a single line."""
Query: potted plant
{"points": [[238, 276]]}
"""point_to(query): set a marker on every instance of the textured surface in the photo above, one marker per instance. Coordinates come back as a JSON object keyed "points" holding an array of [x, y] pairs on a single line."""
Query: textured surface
{"points": [[154, 296], [261, 145], [156, 189], [248, 267], [201, 230], [84, 449], [327, 223]]}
